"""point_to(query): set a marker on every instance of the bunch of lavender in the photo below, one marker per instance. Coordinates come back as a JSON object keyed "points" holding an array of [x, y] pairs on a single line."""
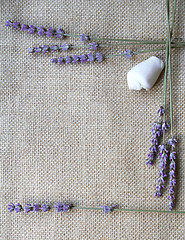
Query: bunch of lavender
{"points": [[165, 151]]}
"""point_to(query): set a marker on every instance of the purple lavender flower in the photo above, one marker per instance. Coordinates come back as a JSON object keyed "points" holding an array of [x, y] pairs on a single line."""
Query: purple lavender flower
{"points": [[75, 58], [172, 155], [11, 207], [38, 49], [50, 32], [99, 57], [93, 46], [160, 111], [30, 50], [172, 173], [84, 37], [44, 208], [41, 30], [54, 60], [83, 58], [28, 208], [172, 182], [172, 142], [90, 57], [66, 207], [60, 60], [68, 59], [31, 29], [156, 131], [162, 174], [64, 47], [18, 207], [54, 48], [9, 23], [165, 126], [128, 53], [107, 209], [171, 198], [58, 207], [59, 33], [45, 49], [16, 25], [36, 208], [24, 27]]}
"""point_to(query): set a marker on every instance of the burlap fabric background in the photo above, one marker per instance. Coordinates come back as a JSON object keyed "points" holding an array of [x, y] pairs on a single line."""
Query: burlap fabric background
{"points": [[75, 133]]}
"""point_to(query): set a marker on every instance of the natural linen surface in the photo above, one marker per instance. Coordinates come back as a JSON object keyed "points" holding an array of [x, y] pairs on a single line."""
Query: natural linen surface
{"points": [[76, 133]]}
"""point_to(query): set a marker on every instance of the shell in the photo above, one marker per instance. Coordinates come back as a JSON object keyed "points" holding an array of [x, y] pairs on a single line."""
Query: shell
{"points": [[145, 74]]}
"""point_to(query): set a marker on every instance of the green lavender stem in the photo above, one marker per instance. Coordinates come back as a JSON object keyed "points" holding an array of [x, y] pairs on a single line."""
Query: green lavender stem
{"points": [[127, 40], [130, 210], [173, 18], [170, 77]]}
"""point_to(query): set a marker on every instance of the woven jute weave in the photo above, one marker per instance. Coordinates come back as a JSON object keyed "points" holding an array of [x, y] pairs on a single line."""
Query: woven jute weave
{"points": [[75, 133]]}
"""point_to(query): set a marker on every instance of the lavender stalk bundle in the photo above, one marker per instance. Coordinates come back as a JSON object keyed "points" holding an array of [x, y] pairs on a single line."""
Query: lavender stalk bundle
{"points": [[166, 151]]}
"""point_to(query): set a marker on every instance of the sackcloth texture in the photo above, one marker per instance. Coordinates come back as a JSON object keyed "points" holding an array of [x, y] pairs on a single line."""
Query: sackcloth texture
{"points": [[76, 133]]}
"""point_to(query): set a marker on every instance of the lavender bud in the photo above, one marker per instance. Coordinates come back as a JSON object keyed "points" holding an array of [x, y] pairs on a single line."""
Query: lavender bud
{"points": [[30, 50], [18, 207], [58, 207], [90, 57], [107, 209], [160, 111], [54, 48], [128, 53], [44, 208], [60, 60], [59, 33], [28, 208], [93, 46], [36, 208], [16, 25], [68, 59], [83, 58], [24, 27], [50, 32], [54, 60], [38, 49], [84, 38], [45, 49], [9, 23], [99, 57], [11, 207], [75, 58], [31, 29], [41, 30]]}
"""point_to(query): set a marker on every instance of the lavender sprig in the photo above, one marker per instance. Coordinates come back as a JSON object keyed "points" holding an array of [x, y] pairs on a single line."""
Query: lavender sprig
{"points": [[163, 155], [172, 142]]}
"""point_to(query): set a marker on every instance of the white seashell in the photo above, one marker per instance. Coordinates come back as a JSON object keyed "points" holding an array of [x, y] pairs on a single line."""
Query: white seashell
{"points": [[145, 74]]}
